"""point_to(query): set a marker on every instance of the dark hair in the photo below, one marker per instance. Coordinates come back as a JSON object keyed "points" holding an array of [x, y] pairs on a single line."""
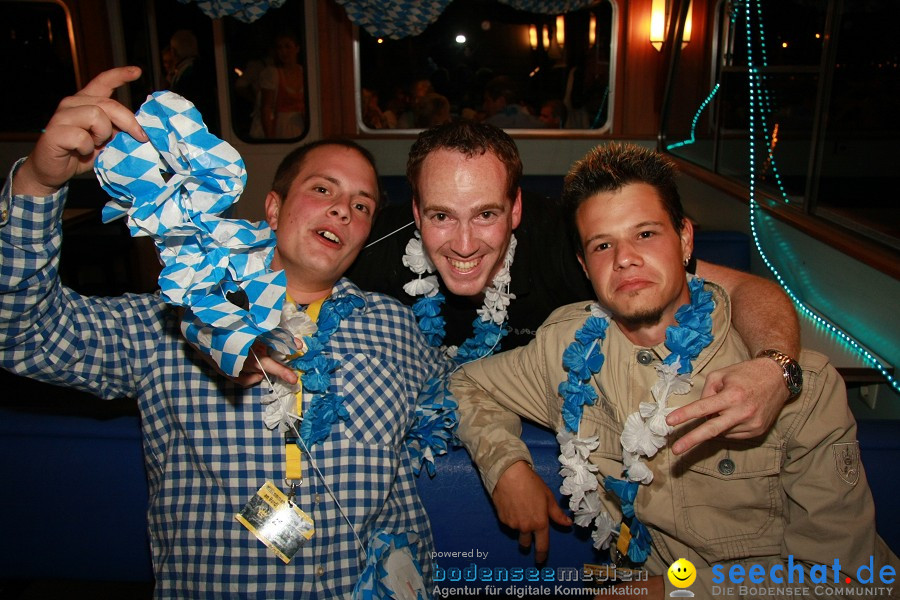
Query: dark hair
{"points": [[292, 163], [471, 139], [610, 167]]}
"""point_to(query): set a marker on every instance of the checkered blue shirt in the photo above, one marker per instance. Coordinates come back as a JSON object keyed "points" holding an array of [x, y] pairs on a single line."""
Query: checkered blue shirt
{"points": [[206, 448]]}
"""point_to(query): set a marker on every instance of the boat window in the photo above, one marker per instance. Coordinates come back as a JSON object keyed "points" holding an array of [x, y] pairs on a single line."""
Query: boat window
{"points": [[482, 59], [38, 64], [173, 43], [268, 75], [815, 86]]}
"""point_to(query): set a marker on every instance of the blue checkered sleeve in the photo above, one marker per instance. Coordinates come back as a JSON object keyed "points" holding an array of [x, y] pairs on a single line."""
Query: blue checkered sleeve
{"points": [[51, 333]]}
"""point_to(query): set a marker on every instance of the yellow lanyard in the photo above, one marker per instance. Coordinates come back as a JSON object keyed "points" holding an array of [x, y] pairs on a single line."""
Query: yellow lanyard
{"points": [[293, 461]]}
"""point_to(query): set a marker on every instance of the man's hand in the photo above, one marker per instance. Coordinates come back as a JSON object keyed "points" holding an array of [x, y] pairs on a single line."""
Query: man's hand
{"points": [[258, 362], [524, 503], [78, 130], [740, 401], [252, 371]]}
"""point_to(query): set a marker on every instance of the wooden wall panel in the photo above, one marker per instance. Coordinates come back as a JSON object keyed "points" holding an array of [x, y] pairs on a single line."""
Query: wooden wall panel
{"points": [[336, 67], [90, 22]]}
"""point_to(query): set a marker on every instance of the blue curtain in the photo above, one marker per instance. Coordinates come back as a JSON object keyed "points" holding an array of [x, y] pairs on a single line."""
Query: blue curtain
{"points": [[242, 10], [548, 7], [397, 19]]}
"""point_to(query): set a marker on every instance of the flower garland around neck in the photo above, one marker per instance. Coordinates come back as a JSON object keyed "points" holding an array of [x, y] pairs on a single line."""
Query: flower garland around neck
{"points": [[322, 408], [322, 411], [488, 326], [644, 432]]}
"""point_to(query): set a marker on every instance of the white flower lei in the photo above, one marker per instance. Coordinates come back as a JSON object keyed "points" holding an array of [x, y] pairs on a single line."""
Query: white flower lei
{"points": [[497, 296], [281, 402], [644, 433]]}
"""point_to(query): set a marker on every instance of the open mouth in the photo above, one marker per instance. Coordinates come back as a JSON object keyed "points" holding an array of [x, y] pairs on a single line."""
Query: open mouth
{"points": [[328, 235], [464, 266]]}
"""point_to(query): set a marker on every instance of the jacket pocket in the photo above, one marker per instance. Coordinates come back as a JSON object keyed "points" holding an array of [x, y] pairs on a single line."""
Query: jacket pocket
{"points": [[608, 454], [730, 497]]}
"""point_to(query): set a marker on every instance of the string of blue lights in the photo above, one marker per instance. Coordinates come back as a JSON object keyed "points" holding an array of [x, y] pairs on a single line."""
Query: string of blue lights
{"points": [[761, 105]]}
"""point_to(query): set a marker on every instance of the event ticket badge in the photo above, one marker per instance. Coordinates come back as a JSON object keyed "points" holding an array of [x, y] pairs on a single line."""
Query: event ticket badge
{"points": [[277, 522]]}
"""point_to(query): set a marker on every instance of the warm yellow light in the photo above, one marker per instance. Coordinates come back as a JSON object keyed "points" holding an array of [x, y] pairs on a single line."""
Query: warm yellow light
{"points": [[560, 31], [532, 37], [380, 40], [784, 44], [658, 23], [592, 30], [659, 20], [546, 36], [687, 25]]}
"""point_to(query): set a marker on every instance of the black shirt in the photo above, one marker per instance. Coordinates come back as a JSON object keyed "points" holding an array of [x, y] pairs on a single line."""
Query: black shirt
{"points": [[545, 273]]}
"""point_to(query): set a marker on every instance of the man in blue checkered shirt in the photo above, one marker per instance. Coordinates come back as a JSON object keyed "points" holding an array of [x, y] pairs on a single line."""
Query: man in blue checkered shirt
{"points": [[207, 450]]}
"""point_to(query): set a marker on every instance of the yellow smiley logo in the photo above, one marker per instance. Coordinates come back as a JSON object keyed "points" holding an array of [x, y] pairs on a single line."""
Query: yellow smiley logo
{"points": [[682, 573]]}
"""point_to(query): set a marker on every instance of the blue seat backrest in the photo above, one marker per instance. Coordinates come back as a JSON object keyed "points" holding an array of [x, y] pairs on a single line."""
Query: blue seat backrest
{"points": [[78, 483], [465, 526]]}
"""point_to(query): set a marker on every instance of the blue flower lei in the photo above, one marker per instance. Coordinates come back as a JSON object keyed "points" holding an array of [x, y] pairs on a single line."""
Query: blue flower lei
{"points": [[583, 359], [434, 424], [324, 408], [485, 338], [488, 328]]}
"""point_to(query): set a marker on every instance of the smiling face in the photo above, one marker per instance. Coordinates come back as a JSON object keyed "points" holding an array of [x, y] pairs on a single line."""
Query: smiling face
{"points": [[634, 258], [682, 573], [324, 219], [466, 217]]}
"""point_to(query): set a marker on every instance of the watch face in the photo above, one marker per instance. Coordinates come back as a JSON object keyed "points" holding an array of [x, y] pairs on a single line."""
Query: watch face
{"points": [[794, 377]]}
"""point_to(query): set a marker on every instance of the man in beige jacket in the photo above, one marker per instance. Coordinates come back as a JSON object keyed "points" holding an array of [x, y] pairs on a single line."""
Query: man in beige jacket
{"points": [[789, 513]]}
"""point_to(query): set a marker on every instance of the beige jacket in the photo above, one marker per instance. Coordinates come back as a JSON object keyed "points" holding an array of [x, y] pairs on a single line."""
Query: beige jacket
{"points": [[799, 492]]}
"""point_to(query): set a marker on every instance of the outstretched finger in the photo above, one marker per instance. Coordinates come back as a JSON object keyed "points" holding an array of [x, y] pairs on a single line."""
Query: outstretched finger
{"points": [[97, 93], [541, 545], [704, 407], [703, 432], [557, 514], [525, 540], [104, 84]]}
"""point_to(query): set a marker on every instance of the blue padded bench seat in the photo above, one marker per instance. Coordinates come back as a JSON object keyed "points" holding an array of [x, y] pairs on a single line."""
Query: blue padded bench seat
{"points": [[75, 498], [463, 518], [77, 484]]}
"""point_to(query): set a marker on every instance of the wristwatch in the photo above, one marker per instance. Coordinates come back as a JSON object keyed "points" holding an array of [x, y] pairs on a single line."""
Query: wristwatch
{"points": [[790, 368]]}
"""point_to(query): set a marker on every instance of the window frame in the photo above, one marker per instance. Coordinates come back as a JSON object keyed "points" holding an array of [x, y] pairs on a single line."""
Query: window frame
{"points": [[805, 216]]}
